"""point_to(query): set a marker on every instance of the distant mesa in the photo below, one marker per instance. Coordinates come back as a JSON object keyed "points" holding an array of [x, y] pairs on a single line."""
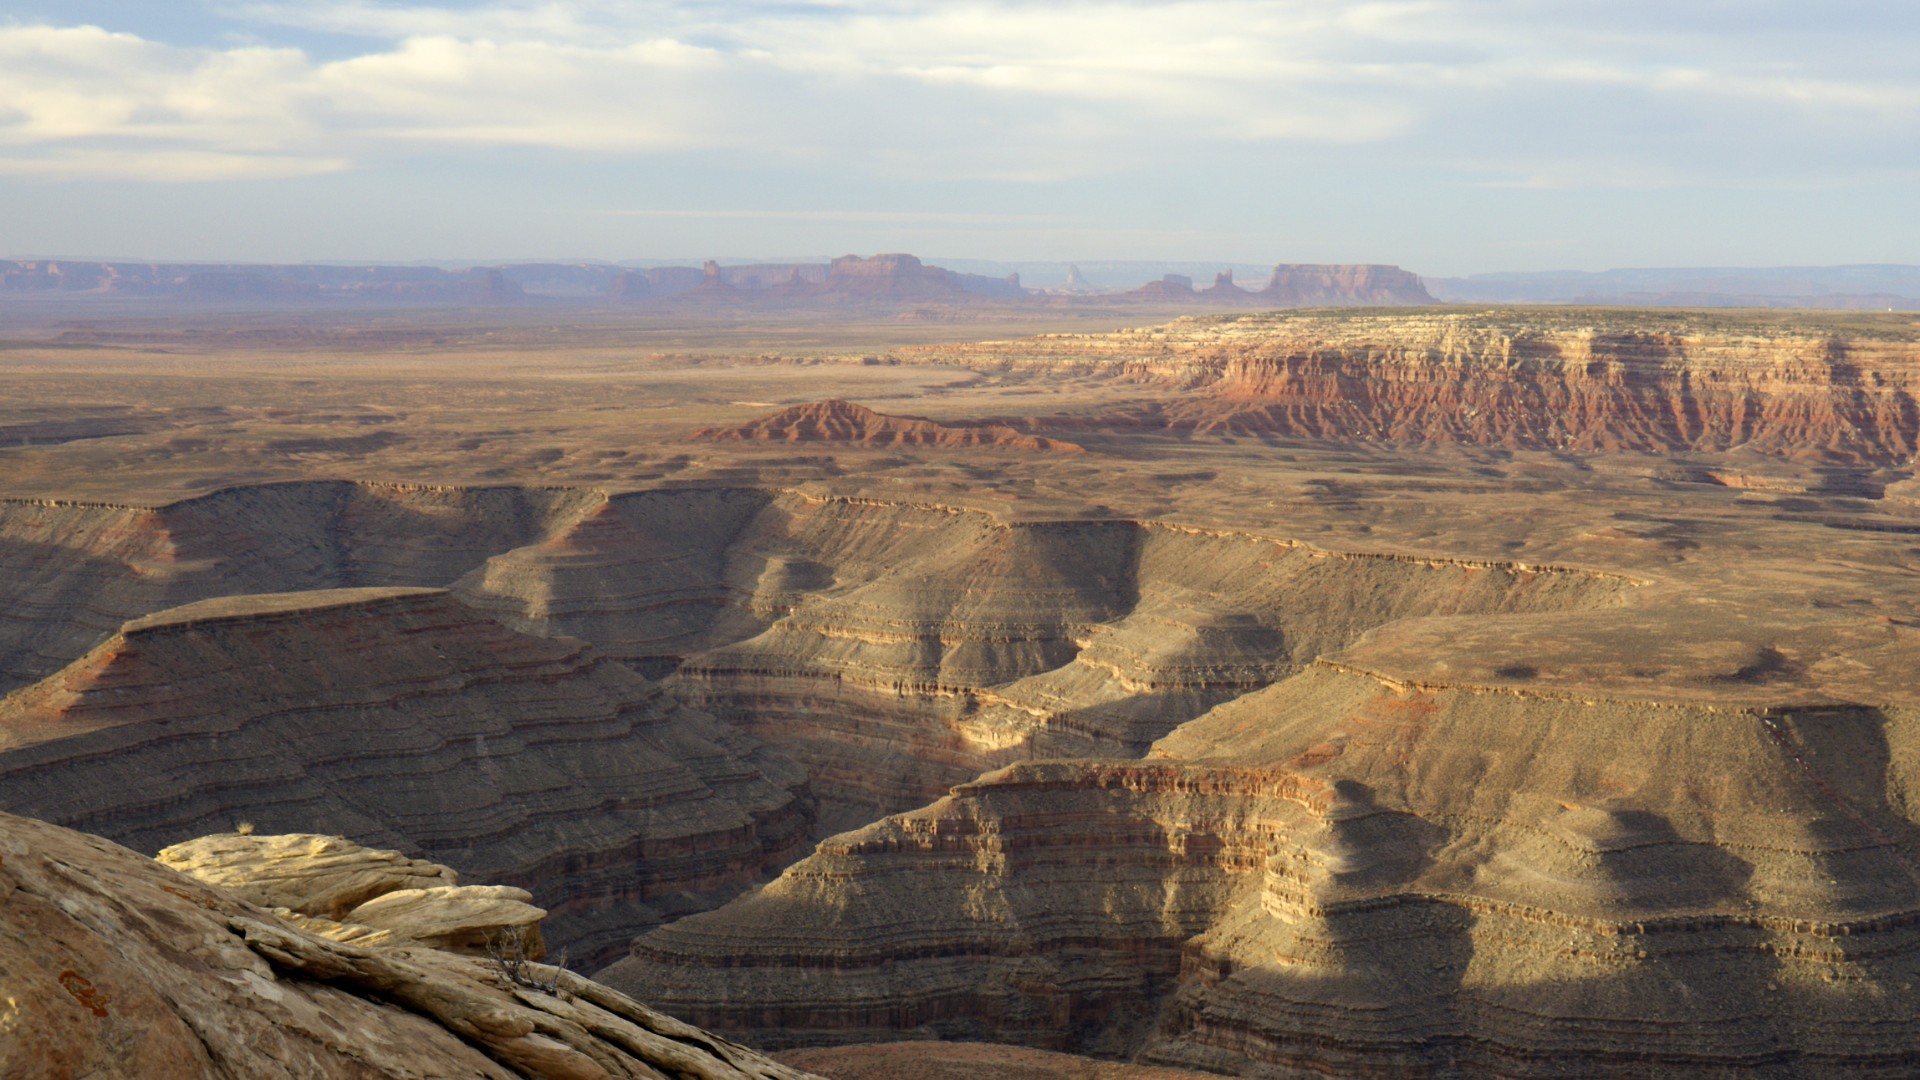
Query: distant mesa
{"points": [[1170, 287], [835, 420], [848, 279], [1295, 285], [1306, 285]]}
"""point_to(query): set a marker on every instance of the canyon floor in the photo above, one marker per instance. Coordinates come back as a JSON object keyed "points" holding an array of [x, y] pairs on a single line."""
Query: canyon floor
{"points": [[1441, 691]]}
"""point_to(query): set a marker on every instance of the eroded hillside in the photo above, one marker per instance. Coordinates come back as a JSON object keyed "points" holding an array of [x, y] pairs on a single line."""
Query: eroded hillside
{"points": [[1518, 693]]}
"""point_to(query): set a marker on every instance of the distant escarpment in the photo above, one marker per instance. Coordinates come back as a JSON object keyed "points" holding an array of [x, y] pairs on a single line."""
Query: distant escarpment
{"points": [[839, 421], [1350, 875], [119, 968], [403, 718], [1559, 380]]}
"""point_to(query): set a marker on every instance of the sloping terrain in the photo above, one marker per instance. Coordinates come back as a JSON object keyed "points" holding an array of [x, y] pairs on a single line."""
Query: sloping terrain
{"points": [[407, 720]]}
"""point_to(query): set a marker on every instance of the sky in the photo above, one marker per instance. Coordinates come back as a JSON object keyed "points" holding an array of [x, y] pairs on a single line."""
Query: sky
{"points": [[1446, 136]]}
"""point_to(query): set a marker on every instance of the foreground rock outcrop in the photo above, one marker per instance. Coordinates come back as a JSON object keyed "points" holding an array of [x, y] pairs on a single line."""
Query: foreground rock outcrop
{"points": [[114, 966], [1347, 874], [405, 719], [366, 896]]}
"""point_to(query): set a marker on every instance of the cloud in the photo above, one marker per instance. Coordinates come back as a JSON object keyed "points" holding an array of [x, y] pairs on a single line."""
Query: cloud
{"points": [[886, 217], [167, 166], [992, 90]]}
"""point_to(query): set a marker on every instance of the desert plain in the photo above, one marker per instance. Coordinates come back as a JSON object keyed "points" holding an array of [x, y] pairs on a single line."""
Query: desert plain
{"points": [[1425, 690]]}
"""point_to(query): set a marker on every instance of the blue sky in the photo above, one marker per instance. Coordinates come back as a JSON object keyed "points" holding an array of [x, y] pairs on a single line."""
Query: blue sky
{"points": [[1449, 136]]}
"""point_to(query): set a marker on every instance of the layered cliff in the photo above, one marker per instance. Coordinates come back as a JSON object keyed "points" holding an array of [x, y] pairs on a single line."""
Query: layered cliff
{"points": [[897, 649], [1577, 381], [1346, 874], [894, 649], [403, 718], [71, 573], [115, 966]]}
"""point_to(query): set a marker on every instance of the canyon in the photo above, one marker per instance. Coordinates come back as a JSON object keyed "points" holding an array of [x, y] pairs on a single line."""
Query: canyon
{"points": [[1522, 692]]}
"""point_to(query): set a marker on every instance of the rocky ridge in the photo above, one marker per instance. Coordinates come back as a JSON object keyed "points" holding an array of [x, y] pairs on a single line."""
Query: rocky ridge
{"points": [[837, 421], [115, 966]]}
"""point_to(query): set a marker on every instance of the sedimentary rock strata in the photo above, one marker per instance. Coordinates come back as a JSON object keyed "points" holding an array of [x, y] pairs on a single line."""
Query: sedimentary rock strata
{"points": [[894, 649], [926, 1060], [1347, 873], [404, 719], [897, 649], [1566, 380], [71, 573], [836, 421], [114, 966]]}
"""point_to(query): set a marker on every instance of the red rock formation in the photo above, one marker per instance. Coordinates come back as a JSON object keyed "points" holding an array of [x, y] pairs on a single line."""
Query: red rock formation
{"points": [[840, 421], [1580, 382]]}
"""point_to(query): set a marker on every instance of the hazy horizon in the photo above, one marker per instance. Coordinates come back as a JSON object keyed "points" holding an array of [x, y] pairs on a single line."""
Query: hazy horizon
{"points": [[1449, 137]]}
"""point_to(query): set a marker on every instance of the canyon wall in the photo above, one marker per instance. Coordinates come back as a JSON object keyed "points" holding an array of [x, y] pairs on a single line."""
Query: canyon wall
{"points": [[890, 650], [898, 649], [1347, 874]]}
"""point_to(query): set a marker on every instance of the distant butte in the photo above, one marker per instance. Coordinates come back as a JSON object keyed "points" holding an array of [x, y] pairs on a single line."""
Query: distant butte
{"points": [[840, 421]]}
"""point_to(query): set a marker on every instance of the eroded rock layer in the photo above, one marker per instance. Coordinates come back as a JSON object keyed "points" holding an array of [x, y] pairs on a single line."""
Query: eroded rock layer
{"points": [[839, 421], [114, 966], [894, 649], [71, 573], [405, 719], [898, 649], [1581, 381], [1348, 874]]}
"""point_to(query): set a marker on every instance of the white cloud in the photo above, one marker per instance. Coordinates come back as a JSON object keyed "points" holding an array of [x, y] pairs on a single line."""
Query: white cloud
{"points": [[990, 89], [166, 166]]}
